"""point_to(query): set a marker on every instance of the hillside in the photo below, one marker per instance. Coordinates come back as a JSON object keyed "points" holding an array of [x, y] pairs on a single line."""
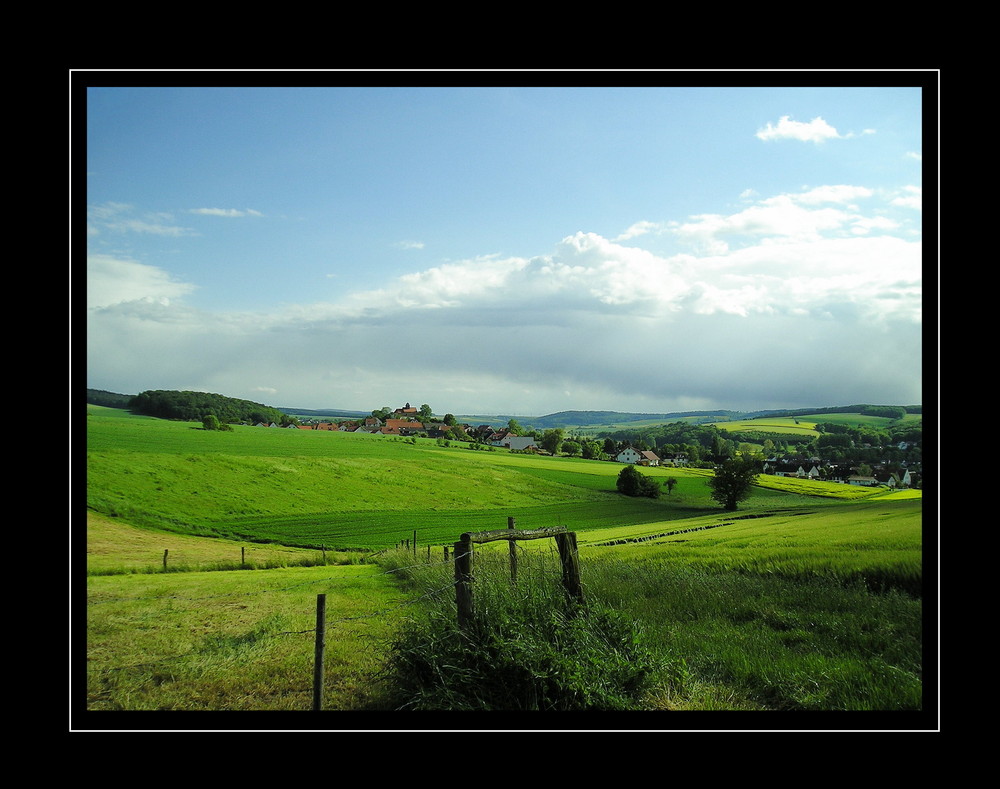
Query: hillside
{"points": [[560, 419]]}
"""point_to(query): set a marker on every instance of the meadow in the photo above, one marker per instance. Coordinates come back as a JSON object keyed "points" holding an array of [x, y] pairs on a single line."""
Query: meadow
{"points": [[807, 598]]}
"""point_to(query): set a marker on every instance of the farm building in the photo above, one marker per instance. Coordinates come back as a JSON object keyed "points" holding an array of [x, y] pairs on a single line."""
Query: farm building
{"points": [[637, 457]]}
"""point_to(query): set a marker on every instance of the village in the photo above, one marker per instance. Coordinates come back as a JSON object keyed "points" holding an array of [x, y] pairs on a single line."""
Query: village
{"points": [[409, 422]]}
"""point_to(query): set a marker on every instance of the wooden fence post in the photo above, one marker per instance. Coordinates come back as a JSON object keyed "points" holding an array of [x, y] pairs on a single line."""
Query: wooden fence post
{"points": [[463, 582], [570, 559], [414, 542], [513, 553], [165, 551], [243, 554], [320, 649]]}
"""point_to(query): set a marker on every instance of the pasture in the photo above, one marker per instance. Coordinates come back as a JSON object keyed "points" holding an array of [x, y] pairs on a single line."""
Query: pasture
{"points": [[793, 572]]}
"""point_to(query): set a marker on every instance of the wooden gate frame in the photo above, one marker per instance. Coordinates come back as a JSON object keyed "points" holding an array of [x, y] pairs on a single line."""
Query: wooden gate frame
{"points": [[568, 555]]}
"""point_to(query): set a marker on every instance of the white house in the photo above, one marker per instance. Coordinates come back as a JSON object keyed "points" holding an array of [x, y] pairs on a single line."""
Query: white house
{"points": [[637, 457]]}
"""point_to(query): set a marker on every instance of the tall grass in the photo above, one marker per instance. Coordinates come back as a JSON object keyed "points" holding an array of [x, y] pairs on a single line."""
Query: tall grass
{"points": [[528, 648], [653, 635], [814, 643]]}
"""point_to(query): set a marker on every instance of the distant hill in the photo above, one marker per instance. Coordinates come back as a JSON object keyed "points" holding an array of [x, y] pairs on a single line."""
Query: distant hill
{"points": [[566, 419], [563, 419], [330, 412]]}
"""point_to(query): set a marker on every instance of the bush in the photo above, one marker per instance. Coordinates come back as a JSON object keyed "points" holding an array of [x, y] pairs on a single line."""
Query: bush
{"points": [[632, 483]]}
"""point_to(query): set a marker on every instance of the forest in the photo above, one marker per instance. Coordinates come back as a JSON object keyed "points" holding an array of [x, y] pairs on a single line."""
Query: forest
{"points": [[195, 406]]}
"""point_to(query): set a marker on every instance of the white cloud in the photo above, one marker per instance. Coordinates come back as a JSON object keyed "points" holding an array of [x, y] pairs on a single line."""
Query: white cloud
{"points": [[118, 218], [840, 193], [409, 245], [639, 229], [782, 314], [229, 212], [912, 197], [816, 130], [112, 281]]}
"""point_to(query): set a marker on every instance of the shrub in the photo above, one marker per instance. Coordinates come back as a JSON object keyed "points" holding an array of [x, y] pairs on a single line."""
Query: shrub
{"points": [[632, 483]]}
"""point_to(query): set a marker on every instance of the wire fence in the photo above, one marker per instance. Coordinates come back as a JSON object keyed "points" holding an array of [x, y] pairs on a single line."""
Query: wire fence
{"points": [[421, 580]]}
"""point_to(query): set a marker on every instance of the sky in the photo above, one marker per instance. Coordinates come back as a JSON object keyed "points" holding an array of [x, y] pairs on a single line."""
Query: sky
{"points": [[514, 250]]}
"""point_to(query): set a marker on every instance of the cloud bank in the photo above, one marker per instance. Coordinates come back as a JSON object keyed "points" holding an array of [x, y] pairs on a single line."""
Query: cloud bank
{"points": [[808, 299]]}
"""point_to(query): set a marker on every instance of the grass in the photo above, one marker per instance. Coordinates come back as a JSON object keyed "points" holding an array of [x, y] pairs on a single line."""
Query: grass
{"points": [[346, 491], [657, 635], [115, 548], [237, 641], [806, 599]]}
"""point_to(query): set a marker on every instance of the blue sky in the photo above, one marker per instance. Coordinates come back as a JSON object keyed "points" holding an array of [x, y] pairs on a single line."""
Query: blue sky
{"points": [[518, 250]]}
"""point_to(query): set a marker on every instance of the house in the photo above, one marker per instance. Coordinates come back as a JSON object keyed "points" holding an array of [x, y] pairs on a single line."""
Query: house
{"points": [[637, 457], [674, 459], [519, 443], [498, 437], [785, 470], [867, 482], [402, 426]]}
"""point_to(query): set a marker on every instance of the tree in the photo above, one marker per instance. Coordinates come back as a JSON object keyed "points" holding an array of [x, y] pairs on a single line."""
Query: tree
{"points": [[426, 412], [733, 481], [449, 419], [210, 422], [552, 440], [631, 483], [571, 447], [515, 427], [671, 483]]}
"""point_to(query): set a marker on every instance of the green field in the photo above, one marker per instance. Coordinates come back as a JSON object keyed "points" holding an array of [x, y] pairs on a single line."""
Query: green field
{"points": [[273, 502]]}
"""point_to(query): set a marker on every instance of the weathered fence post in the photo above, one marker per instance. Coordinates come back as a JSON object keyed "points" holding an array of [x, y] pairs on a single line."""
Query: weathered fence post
{"points": [[243, 554], [513, 553], [568, 555], [320, 649], [463, 582], [570, 559], [165, 551], [446, 553], [414, 542]]}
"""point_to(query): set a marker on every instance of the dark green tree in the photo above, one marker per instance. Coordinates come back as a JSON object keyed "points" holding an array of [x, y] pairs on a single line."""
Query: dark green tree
{"points": [[631, 482], [671, 483], [733, 481]]}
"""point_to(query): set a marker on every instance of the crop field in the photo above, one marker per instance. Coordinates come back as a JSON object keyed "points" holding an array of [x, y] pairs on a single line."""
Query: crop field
{"points": [[798, 426], [205, 551]]}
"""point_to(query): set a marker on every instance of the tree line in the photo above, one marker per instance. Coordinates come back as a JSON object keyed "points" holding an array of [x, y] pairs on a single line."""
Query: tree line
{"points": [[196, 406]]}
